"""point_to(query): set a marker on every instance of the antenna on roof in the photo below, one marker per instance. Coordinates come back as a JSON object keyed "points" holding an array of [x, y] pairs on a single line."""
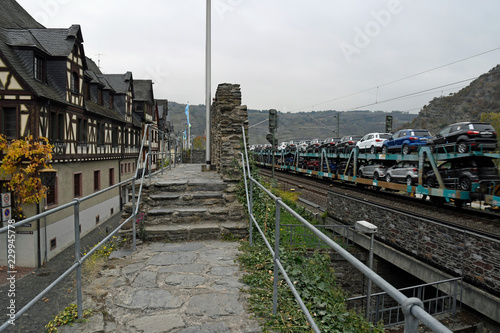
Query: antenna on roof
{"points": [[99, 60]]}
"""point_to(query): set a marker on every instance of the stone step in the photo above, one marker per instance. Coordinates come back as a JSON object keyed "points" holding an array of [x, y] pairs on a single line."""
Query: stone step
{"points": [[162, 215], [203, 231], [189, 199], [210, 185]]}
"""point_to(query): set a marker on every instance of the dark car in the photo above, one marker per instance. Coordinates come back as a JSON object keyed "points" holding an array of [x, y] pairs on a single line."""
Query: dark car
{"points": [[461, 173], [329, 144], [375, 169], [405, 172], [314, 146], [463, 137], [405, 141], [347, 143]]}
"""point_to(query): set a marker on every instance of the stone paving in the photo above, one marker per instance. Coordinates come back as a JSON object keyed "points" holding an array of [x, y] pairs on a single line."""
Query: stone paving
{"points": [[170, 287]]}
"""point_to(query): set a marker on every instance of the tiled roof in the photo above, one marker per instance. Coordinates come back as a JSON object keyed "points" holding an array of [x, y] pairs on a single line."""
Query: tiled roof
{"points": [[57, 42], [53, 42], [119, 82], [38, 87], [143, 90], [103, 111], [14, 16]]}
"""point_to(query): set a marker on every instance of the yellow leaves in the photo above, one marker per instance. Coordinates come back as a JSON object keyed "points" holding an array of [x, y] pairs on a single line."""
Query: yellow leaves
{"points": [[22, 163]]}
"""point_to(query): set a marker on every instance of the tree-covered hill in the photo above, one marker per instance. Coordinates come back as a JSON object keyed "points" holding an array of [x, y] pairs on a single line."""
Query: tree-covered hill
{"points": [[294, 126], [481, 96]]}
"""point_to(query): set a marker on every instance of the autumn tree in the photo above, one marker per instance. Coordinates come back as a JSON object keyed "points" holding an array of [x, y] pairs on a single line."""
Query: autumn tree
{"points": [[199, 142], [21, 164]]}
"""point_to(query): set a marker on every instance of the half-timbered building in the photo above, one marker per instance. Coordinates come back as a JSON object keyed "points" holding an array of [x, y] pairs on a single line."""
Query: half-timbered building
{"points": [[48, 88], [145, 111]]}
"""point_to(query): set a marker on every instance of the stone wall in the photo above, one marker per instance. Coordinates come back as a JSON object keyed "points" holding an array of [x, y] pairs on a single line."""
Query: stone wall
{"points": [[228, 116], [472, 256]]}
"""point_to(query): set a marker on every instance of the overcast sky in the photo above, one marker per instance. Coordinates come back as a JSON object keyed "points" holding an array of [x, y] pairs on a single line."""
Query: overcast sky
{"points": [[287, 54]]}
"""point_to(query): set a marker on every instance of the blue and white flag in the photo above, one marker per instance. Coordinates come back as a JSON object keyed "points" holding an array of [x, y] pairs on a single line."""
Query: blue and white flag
{"points": [[187, 114]]}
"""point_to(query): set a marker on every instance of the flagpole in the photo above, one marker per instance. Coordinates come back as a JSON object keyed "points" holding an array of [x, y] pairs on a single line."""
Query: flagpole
{"points": [[208, 81]]}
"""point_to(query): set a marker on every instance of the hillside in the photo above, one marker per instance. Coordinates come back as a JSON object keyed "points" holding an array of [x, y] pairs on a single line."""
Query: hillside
{"points": [[482, 95], [294, 126]]}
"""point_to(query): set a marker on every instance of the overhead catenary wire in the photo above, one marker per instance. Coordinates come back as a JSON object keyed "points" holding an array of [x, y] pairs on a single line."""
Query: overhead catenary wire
{"points": [[398, 80]]}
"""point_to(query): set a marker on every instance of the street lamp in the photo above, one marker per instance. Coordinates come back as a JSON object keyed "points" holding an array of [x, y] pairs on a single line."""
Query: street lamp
{"points": [[368, 228], [48, 178]]}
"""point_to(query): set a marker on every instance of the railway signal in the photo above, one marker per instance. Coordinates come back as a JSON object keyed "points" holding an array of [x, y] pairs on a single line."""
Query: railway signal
{"points": [[273, 126], [388, 124], [273, 120]]}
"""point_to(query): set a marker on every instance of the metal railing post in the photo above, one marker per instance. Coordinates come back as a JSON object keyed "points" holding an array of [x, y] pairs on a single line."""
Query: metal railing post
{"points": [[250, 209], [134, 216], [411, 322], [276, 254], [247, 195], [150, 133], [79, 299], [454, 305], [369, 284], [162, 151]]}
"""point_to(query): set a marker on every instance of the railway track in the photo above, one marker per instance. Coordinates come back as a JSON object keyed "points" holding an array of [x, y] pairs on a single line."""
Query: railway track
{"points": [[316, 189]]}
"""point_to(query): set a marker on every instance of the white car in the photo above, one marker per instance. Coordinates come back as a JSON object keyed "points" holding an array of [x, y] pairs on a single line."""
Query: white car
{"points": [[282, 146], [303, 145], [372, 142]]}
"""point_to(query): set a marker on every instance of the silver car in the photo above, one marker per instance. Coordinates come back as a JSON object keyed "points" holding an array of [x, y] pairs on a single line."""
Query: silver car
{"points": [[375, 169], [405, 172]]}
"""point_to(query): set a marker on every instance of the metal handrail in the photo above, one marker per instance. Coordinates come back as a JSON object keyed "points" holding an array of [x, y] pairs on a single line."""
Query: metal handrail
{"points": [[412, 307], [454, 294], [76, 204]]}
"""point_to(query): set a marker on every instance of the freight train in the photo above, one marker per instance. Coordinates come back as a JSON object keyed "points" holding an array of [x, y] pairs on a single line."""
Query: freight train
{"points": [[448, 176]]}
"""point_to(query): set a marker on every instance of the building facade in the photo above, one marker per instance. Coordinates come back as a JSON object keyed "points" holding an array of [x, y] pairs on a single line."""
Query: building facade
{"points": [[49, 88]]}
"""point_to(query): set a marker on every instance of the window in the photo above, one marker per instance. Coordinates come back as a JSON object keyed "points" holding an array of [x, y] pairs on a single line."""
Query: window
{"points": [[81, 130], [100, 134], [38, 68], [77, 185], [111, 101], [126, 137], [9, 122], [75, 80], [114, 137], [111, 176], [53, 243], [97, 180], [86, 90], [99, 96], [56, 132]]}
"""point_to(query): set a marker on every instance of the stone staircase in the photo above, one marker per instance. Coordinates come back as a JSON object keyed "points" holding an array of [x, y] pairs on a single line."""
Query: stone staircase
{"points": [[188, 204]]}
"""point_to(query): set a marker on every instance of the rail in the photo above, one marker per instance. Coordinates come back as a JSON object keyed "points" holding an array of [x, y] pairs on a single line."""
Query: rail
{"points": [[412, 307], [146, 163]]}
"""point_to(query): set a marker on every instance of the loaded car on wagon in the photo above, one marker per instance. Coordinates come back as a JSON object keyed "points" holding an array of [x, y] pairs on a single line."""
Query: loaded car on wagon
{"points": [[372, 142], [464, 137], [462, 173], [405, 141]]}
